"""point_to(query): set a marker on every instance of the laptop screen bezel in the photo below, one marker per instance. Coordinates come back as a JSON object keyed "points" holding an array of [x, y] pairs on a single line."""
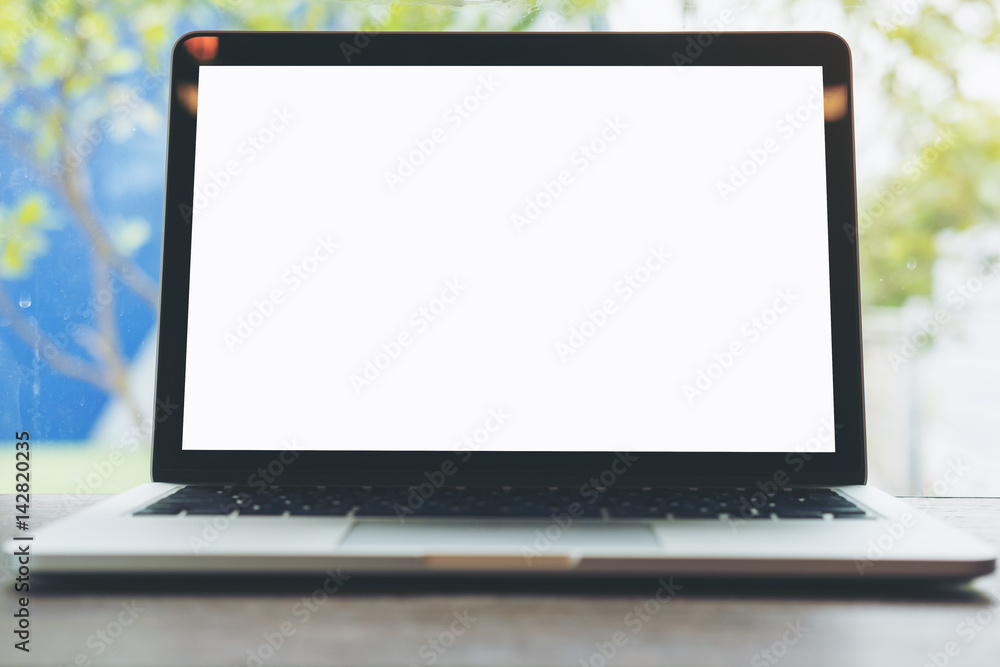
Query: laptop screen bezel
{"points": [[171, 463]]}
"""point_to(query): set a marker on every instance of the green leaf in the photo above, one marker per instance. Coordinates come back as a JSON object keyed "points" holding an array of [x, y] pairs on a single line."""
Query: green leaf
{"points": [[22, 236]]}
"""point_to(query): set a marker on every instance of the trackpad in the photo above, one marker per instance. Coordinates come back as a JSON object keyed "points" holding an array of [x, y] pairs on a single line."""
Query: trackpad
{"points": [[497, 536]]}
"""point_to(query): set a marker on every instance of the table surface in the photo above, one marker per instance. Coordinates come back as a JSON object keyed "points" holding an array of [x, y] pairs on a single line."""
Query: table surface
{"points": [[522, 622]]}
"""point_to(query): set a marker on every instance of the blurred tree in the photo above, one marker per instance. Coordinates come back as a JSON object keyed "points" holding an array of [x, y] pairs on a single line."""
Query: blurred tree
{"points": [[948, 174], [77, 73]]}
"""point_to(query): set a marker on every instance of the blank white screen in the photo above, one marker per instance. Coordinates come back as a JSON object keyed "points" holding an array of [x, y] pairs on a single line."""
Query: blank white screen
{"points": [[289, 155]]}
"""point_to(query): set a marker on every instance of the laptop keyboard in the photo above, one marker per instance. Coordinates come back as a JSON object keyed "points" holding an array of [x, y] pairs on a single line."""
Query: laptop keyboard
{"points": [[527, 502]]}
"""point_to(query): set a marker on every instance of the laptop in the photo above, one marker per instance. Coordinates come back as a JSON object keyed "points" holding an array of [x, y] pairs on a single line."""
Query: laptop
{"points": [[510, 304]]}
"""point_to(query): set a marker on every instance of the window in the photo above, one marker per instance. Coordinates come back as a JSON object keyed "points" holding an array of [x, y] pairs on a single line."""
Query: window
{"points": [[82, 133]]}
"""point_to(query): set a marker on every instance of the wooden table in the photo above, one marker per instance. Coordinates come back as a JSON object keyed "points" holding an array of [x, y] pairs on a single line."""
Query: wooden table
{"points": [[484, 622]]}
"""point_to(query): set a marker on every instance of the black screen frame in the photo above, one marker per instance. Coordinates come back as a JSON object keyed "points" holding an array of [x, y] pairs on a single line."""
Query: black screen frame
{"points": [[171, 463]]}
